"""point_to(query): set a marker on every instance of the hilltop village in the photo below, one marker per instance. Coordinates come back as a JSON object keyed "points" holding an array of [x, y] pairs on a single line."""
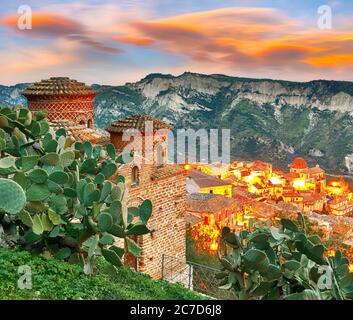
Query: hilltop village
{"points": [[237, 194], [204, 197]]}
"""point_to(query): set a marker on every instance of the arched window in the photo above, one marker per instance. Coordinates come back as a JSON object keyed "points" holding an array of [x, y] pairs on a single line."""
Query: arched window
{"points": [[82, 122], [160, 156], [135, 176], [90, 123]]}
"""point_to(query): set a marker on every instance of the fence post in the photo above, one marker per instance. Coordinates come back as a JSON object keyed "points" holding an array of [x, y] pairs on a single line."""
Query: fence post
{"points": [[163, 265], [190, 276], [171, 267]]}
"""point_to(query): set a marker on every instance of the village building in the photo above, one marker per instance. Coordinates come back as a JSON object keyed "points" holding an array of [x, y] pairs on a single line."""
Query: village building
{"points": [[214, 209], [340, 198], [340, 205], [305, 178], [199, 182], [217, 169]]}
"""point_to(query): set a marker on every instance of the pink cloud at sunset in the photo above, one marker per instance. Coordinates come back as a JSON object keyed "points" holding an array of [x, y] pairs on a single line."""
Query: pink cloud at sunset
{"points": [[248, 36], [47, 24], [50, 25], [242, 41]]}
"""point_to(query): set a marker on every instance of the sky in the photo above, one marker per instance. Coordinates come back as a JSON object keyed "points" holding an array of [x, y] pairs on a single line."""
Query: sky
{"points": [[114, 42]]}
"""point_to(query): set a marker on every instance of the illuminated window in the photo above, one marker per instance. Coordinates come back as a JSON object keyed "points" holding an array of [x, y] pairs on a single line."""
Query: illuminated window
{"points": [[135, 176]]}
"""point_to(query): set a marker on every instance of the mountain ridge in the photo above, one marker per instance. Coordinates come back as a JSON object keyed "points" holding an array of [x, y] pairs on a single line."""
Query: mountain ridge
{"points": [[271, 120]]}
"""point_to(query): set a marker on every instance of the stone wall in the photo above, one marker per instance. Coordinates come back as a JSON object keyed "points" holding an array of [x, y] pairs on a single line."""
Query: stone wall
{"points": [[168, 196]]}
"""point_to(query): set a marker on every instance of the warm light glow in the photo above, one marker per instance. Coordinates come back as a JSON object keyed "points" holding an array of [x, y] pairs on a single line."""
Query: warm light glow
{"points": [[331, 253], [250, 178], [299, 184], [214, 246], [237, 173], [275, 180], [253, 189], [337, 191], [187, 167], [206, 237]]}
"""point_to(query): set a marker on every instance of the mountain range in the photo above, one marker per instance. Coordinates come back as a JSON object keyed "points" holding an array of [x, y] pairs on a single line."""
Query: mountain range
{"points": [[270, 120]]}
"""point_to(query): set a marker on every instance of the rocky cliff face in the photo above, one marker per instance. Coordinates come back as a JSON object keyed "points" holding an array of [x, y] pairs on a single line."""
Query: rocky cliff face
{"points": [[11, 95], [269, 119]]}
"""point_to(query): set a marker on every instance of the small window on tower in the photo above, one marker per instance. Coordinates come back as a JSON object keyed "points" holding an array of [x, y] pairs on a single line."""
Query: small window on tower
{"points": [[135, 176], [160, 156]]}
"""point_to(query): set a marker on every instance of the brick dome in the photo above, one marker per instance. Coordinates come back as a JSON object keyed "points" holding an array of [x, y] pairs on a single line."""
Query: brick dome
{"points": [[63, 99], [299, 163]]}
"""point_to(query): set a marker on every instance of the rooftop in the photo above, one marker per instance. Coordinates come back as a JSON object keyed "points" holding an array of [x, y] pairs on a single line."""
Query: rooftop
{"points": [[136, 122], [204, 180], [81, 132], [205, 202], [316, 170], [299, 163], [58, 86]]}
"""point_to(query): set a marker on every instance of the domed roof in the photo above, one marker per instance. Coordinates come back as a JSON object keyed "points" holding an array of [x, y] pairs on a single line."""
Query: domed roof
{"points": [[58, 86], [299, 163]]}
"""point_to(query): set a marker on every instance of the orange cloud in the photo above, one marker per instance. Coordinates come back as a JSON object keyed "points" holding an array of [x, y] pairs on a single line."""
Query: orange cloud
{"points": [[134, 40], [47, 24], [332, 61], [244, 37]]}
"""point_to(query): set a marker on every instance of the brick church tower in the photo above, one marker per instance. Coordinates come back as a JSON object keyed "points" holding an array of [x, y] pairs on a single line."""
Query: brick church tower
{"points": [[164, 184], [64, 99]]}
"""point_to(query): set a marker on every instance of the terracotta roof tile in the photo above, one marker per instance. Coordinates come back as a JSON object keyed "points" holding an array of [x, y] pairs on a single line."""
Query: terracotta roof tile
{"points": [[137, 122], [58, 86], [291, 175], [205, 202], [81, 132], [204, 180], [299, 163], [167, 170], [316, 170]]}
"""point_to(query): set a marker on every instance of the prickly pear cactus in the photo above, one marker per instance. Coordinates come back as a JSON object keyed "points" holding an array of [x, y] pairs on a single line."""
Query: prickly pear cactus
{"points": [[13, 198], [282, 263], [67, 196]]}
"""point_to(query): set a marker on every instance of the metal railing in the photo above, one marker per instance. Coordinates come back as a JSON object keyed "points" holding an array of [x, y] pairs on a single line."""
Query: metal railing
{"points": [[193, 276]]}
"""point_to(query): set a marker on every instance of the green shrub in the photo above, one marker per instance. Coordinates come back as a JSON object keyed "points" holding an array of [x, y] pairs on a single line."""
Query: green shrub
{"points": [[53, 279]]}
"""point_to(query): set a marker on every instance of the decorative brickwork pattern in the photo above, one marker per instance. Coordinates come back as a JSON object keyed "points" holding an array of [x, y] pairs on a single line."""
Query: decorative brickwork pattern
{"points": [[63, 99]]}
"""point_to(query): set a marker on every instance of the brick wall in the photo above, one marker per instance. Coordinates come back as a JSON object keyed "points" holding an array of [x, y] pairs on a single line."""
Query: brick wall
{"points": [[78, 109], [168, 196]]}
